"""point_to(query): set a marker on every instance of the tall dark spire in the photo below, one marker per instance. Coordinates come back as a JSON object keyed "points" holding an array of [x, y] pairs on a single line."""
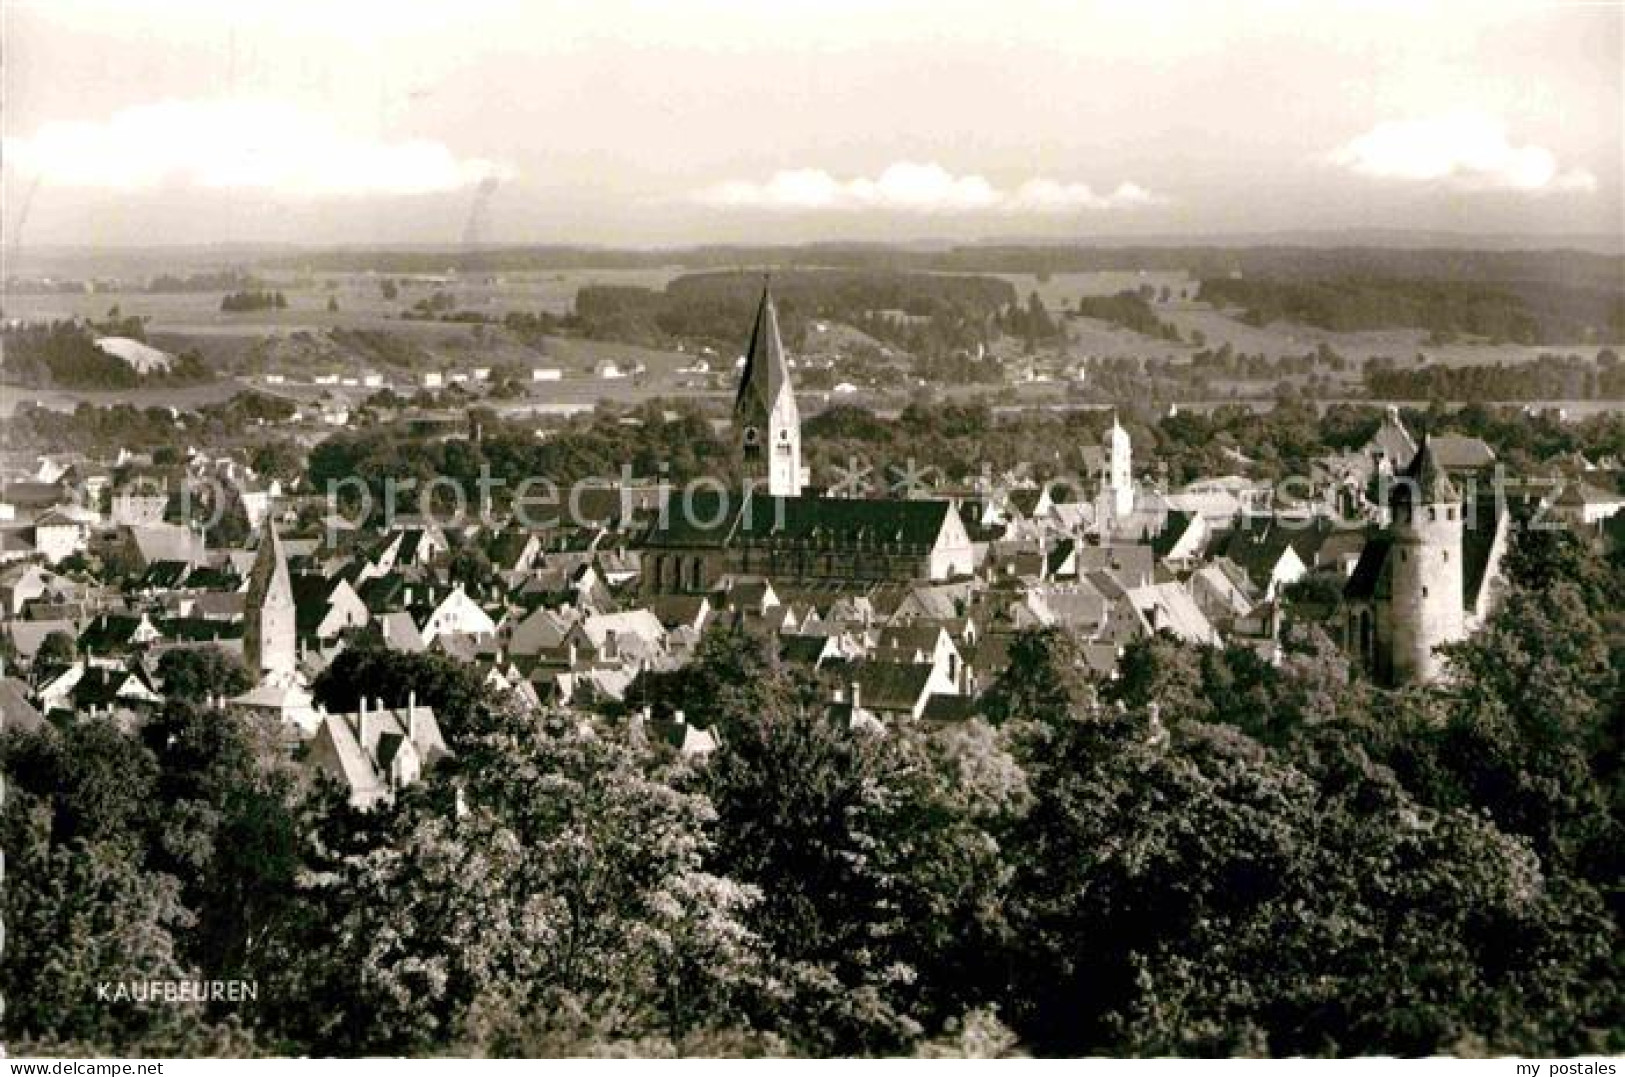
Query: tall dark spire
{"points": [[766, 373], [269, 628], [766, 421]]}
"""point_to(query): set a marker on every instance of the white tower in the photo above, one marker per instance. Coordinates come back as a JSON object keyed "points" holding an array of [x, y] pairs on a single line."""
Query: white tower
{"points": [[1425, 569], [766, 421], [1119, 470]]}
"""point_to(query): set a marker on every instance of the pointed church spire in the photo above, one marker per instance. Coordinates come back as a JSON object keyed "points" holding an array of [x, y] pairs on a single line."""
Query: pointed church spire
{"points": [[767, 373], [766, 420], [268, 633]]}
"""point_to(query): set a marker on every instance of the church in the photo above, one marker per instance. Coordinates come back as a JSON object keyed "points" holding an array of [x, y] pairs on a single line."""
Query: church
{"points": [[772, 529]]}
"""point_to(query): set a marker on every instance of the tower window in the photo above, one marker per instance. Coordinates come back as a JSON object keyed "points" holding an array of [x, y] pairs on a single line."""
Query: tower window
{"points": [[1424, 592]]}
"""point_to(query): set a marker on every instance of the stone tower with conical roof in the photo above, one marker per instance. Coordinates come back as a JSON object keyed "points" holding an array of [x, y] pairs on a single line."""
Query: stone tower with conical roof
{"points": [[1425, 566], [268, 610], [767, 426]]}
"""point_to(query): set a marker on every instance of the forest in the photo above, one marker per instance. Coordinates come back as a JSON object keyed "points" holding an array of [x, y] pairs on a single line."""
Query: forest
{"points": [[710, 307], [1521, 312], [64, 355], [1208, 855]]}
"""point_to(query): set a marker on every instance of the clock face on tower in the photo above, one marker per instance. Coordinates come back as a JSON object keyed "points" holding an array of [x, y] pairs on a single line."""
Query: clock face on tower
{"points": [[751, 437]]}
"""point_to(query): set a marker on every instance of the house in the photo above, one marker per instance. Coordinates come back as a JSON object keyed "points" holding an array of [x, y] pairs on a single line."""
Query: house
{"points": [[375, 751], [22, 584], [98, 687], [457, 613], [635, 635], [133, 548], [920, 645], [17, 714], [58, 536], [139, 505], [542, 630], [1584, 505], [888, 691], [1171, 607], [325, 608], [1182, 538], [1268, 550]]}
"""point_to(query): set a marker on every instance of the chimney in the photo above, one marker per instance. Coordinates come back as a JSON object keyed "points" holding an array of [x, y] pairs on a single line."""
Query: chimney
{"points": [[361, 723], [856, 690], [840, 694], [412, 716], [679, 718]]}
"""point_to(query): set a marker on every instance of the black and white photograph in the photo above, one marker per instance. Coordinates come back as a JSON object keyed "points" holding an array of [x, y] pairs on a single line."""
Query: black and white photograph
{"points": [[857, 529]]}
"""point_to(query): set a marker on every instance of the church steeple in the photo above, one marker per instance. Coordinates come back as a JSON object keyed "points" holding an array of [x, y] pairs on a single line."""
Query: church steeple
{"points": [[269, 629], [766, 422], [1119, 470]]}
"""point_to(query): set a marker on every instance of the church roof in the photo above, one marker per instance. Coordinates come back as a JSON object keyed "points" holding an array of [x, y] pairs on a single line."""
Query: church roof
{"points": [[1458, 452], [1392, 440], [767, 373], [714, 520]]}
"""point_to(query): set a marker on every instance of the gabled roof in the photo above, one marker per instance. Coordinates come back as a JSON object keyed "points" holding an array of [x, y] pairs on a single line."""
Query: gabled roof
{"points": [[16, 712], [1392, 440], [811, 522], [1174, 526], [165, 575], [167, 542], [891, 686], [1579, 493], [1456, 452], [1259, 544]]}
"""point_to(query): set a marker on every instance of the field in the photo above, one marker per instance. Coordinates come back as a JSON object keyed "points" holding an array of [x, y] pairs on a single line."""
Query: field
{"points": [[296, 344]]}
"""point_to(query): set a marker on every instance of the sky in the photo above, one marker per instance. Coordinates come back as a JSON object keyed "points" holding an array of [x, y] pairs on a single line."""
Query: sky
{"points": [[636, 123]]}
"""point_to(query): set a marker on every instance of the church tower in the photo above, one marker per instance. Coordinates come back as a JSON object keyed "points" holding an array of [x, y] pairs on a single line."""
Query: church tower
{"points": [[268, 610], [1425, 566], [1119, 471], [766, 424]]}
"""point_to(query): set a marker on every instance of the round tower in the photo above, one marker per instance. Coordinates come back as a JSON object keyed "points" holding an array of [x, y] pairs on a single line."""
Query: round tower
{"points": [[1426, 569]]}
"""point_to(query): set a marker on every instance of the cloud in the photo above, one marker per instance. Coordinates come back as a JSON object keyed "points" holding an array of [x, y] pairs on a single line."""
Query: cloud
{"points": [[917, 188], [1467, 150], [239, 145]]}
